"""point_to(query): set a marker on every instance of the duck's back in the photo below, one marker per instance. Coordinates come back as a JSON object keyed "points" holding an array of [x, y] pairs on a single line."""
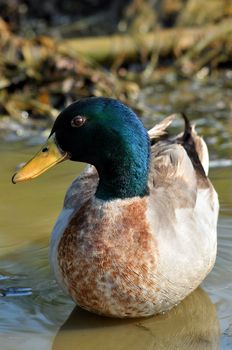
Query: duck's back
{"points": [[138, 256], [183, 211]]}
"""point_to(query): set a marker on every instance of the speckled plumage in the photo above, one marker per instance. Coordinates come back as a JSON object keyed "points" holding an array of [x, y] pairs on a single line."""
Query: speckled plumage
{"points": [[142, 255], [115, 252]]}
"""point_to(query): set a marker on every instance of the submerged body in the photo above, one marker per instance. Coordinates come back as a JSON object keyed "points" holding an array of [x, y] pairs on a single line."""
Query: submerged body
{"points": [[137, 233]]}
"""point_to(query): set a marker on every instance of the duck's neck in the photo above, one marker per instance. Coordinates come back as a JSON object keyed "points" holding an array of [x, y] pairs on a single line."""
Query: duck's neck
{"points": [[125, 173]]}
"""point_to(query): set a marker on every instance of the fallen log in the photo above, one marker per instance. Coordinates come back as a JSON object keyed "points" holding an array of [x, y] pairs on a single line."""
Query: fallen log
{"points": [[164, 41]]}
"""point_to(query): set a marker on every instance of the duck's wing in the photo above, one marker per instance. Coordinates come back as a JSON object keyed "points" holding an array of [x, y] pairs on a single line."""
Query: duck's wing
{"points": [[82, 188], [182, 211], [179, 167], [160, 129], [172, 180]]}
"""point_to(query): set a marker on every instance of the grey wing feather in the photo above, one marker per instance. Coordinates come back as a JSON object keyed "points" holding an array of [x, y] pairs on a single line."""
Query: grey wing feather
{"points": [[172, 175], [82, 188], [160, 129]]}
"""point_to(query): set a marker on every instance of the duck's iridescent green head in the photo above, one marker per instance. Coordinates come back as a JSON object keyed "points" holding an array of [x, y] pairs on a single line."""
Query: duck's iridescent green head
{"points": [[109, 135]]}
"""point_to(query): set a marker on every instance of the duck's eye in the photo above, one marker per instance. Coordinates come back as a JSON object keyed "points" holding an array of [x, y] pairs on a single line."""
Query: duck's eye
{"points": [[78, 121]]}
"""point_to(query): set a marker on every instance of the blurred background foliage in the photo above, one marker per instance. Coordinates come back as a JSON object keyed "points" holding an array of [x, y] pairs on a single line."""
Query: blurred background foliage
{"points": [[54, 52]]}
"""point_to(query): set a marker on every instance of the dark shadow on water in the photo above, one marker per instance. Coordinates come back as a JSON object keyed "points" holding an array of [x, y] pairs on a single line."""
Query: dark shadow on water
{"points": [[192, 325]]}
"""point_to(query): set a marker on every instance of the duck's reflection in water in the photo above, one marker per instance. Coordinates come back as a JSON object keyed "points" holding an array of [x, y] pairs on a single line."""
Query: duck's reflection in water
{"points": [[192, 325]]}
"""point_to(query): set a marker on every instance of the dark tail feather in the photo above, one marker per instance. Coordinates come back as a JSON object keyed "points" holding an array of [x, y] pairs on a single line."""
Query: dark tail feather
{"points": [[187, 141], [188, 128]]}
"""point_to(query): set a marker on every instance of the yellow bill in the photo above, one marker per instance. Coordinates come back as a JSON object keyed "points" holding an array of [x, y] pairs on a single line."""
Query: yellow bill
{"points": [[49, 155]]}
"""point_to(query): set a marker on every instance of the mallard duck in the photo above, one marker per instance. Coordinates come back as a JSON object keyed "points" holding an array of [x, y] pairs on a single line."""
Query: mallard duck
{"points": [[137, 233]]}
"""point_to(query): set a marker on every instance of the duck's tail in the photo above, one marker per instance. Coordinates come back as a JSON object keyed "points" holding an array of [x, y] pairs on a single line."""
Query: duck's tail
{"points": [[195, 146]]}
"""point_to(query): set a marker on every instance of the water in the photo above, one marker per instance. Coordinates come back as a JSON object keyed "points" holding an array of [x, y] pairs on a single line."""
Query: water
{"points": [[29, 210]]}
